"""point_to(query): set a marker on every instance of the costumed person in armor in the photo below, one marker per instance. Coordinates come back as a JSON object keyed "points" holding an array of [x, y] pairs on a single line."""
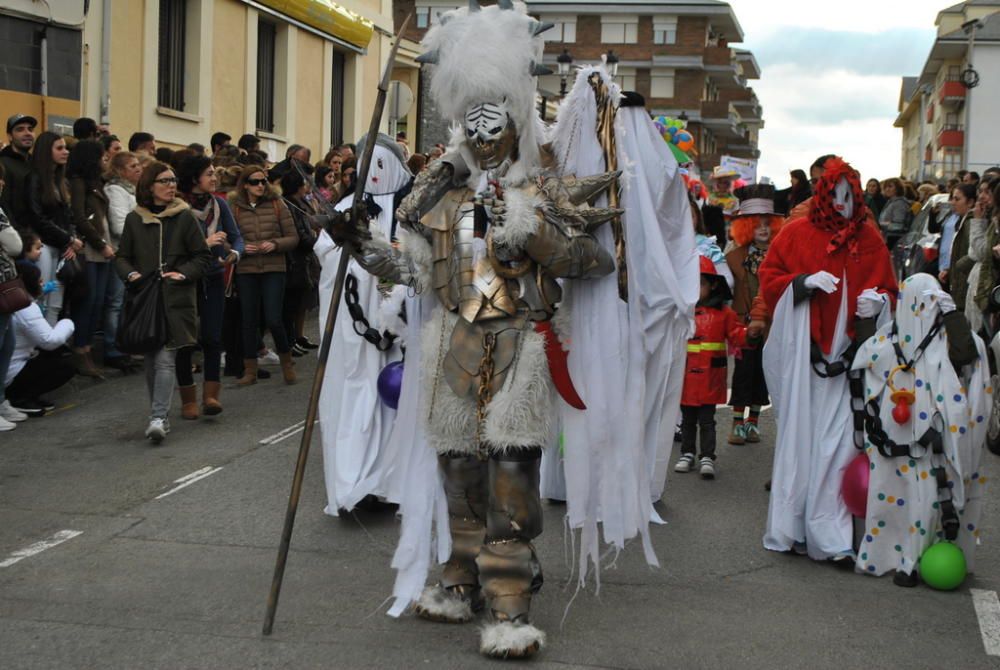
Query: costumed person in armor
{"points": [[819, 272], [926, 481], [487, 233], [627, 331], [752, 230], [354, 423]]}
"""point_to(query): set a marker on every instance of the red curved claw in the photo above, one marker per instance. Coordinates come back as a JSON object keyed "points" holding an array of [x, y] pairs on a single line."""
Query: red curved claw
{"points": [[558, 365]]}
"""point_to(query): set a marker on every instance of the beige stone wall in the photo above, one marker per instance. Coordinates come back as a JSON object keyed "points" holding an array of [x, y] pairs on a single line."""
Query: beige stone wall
{"points": [[229, 74]]}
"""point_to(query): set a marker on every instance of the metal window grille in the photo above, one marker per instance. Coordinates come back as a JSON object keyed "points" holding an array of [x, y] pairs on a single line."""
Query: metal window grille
{"points": [[170, 73], [266, 44]]}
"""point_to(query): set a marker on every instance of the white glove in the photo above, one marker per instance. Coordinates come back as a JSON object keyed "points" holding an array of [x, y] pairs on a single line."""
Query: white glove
{"points": [[822, 280], [870, 303], [944, 300]]}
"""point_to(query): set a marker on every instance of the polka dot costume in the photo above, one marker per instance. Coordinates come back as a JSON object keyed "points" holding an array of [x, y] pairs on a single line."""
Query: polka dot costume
{"points": [[903, 517]]}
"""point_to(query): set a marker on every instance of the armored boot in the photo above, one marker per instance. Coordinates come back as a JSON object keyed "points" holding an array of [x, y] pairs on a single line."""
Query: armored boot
{"points": [[509, 571], [457, 597]]}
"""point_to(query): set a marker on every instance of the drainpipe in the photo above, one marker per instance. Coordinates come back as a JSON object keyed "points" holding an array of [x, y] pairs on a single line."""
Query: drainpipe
{"points": [[106, 62]]}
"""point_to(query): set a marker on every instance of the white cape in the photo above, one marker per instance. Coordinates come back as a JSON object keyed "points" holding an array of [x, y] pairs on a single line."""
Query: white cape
{"points": [[626, 359]]}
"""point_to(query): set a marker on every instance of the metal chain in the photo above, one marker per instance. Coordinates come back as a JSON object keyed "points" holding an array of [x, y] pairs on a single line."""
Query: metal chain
{"points": [[484, 394], [381, 341]]}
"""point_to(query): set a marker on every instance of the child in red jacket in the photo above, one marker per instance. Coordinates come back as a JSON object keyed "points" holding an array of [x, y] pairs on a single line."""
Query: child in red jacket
{"points": [[716, 326]]}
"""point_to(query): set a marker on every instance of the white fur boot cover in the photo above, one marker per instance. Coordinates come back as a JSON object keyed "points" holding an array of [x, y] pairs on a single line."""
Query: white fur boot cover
{"points": [[504, 639], [439, 604]]}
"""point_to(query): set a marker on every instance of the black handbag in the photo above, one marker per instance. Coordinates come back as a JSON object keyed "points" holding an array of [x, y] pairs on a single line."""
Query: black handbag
{"points": [[143, 325], [72, 274]]}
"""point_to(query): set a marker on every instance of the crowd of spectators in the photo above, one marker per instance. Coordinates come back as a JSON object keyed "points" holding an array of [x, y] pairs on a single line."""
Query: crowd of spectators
{"points": [[227, 232]]}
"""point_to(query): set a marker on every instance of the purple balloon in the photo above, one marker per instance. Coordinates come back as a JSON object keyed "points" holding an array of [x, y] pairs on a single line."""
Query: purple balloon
{"points": [[390, 383]]}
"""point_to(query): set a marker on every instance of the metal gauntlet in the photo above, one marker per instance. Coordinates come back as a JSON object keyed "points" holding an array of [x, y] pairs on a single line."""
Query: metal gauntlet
{"points": [[384, 261], [441, 176], [567, 252]]}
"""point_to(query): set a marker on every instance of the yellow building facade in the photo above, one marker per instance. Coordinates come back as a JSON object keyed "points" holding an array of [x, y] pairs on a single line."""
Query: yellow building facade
{"points": [[290, 71]]}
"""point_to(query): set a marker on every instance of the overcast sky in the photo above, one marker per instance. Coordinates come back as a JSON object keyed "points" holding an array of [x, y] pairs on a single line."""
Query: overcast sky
{"points": [[831, 77]]}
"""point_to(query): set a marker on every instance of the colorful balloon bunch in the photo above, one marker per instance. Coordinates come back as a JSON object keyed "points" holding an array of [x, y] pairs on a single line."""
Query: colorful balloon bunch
{"points": [[673, 132]]}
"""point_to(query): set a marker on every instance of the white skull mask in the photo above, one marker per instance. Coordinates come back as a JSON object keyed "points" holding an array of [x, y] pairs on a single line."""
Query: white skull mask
{"points": [[843, 199], [491, 133]]}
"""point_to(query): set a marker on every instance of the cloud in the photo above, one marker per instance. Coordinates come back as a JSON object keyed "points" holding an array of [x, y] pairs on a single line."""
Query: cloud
{"points": [[816, 50]]}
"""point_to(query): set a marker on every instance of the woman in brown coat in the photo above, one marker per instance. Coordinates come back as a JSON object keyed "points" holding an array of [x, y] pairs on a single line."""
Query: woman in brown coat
{"points": [[89, 206], [162, 236], [268, 234]]}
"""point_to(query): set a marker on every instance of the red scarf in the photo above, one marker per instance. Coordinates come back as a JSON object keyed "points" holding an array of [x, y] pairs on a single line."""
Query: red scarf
{"points": [[823, 215]]}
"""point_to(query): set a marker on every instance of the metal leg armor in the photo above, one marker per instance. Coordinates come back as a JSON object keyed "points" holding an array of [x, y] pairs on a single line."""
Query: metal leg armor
{"points": [[509, 571], [465, 480]]}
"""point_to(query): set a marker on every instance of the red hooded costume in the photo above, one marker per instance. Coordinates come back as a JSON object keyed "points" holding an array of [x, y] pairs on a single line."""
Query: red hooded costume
{"points": [[825, 240]]}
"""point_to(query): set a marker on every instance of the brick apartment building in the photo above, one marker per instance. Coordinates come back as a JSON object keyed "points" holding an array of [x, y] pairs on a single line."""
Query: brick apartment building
{"points": [[677, 54]]}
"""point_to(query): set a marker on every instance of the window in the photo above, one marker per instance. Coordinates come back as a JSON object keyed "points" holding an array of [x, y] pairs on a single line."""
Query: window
{"points": [[563, 30], [337, 104], [428, 15], [664, 30], [171, 50], [711, 92], [626, 78], [661, 84], [619, 29], [708, 143], [266, 52]]}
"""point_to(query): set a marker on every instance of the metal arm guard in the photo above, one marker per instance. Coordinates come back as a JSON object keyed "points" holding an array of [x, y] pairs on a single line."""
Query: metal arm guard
{"points": [[566, 251], [441, 176]]}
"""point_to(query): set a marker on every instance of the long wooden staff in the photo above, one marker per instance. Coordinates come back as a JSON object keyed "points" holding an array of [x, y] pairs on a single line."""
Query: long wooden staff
{"points": [[357, 212]]}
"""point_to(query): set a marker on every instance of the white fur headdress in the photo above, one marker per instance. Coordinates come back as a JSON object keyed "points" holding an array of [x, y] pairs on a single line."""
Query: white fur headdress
{"points": [[488, 54]]}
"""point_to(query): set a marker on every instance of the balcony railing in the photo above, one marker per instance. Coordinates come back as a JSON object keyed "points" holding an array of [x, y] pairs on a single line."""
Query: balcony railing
{"points": [[951, 136], [951, 94]]}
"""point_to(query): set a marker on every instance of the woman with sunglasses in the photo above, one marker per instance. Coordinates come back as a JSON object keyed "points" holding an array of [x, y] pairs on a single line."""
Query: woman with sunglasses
{"points": [[161, 236], [268, 234], [197, 182]]}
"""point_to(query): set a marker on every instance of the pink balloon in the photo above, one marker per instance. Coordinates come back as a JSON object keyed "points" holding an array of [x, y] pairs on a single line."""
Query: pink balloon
{"points": [[854, 487]]}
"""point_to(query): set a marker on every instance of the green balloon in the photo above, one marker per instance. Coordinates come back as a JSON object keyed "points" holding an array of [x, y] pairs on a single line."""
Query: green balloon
{"points": [[942, 566]]}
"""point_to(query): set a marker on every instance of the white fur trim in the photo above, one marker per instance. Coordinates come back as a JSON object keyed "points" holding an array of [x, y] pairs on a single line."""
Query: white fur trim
{"points": [[503, 639], [388, 317], [562, 322], [419, 251], [521, 220], [438, 604], [451, 421], [518, 415]]}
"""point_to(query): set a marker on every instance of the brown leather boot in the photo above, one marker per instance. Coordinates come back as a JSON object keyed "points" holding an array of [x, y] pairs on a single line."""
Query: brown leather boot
{"points": [[189, 401], [287, 367], [210, 404], [84, 364], [249, 372]]}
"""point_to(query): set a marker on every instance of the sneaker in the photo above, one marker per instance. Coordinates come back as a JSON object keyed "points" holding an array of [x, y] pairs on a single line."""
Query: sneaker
{"points": [[46, 404], [706, 467], [739, 434], [684, 463], [157, 430], [11, 414], [297, 351], [305, 343], [28, 407], [799, 548], [6, 425], [268, 358], [752, 432], [262, 374]]}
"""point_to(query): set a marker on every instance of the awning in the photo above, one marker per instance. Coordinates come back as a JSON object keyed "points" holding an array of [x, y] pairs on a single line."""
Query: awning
{"points": [[328, 17]]}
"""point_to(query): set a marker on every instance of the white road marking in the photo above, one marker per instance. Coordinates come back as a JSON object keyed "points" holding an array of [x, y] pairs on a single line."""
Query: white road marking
{"points": [[188, 480], [39, 547], [285, 433], [988, 612]]}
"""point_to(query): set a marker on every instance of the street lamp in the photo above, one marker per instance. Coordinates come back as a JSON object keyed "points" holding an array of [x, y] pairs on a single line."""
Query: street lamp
{"points": [[683, 118], [565, 62], [612, 62]]}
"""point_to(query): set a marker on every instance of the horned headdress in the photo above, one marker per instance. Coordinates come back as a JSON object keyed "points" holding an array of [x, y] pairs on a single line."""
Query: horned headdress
{"points": [[488, 54]]}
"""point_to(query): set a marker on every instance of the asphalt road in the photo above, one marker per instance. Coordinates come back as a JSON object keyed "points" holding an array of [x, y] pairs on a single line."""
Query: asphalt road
{"points": [[180, 580]]}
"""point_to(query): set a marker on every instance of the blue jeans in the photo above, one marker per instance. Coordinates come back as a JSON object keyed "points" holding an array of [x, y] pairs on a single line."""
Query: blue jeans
{"points": [[6, 349], [262, 291], [211, 306], [87, 308], [113, 299]]}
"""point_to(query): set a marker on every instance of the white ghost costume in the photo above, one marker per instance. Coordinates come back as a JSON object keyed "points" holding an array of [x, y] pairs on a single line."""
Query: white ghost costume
{"points": [[354, 423], [904, 514]]}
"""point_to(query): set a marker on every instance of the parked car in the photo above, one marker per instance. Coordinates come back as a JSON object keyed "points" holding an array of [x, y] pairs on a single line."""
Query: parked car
{"points": [[917, 250]]}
